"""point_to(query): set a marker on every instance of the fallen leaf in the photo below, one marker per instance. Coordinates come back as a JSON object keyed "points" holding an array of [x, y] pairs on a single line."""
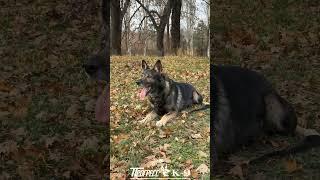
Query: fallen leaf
{"points": [[8, 147], [236, 160], [19, 132], [237, 171], [203, 169], [258, 176], [194, 174], [121, 137], [72, 110], [117, 176], [25, 171], [89, 143], [90, 105], [196, 136], [274, 144], [291, 166], [202, 154]]}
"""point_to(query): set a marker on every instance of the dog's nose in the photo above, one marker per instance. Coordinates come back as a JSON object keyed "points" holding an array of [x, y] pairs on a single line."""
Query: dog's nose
{"points": [[90, 69], [139, 82]]}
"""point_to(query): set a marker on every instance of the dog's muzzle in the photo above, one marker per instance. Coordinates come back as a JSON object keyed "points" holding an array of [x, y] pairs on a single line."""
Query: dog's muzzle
{"points": [[139, 82], [90, 69]]}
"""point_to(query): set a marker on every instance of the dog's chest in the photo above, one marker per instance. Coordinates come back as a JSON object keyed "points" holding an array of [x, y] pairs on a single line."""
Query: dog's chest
{"points": [[159, 105]]}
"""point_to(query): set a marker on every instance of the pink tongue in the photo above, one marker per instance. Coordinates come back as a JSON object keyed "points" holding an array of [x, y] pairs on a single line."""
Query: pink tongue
{"points": [[143, 93]]}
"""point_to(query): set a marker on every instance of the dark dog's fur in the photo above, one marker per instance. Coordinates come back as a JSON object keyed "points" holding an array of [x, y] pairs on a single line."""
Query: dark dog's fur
{"points": [[245, 107], [166, 96], [97, 68]]}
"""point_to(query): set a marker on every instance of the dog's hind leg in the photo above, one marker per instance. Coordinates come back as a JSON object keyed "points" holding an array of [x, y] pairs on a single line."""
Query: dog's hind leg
{"points": [[151, 116], [167, 117], [280, 116], [196, 97]]}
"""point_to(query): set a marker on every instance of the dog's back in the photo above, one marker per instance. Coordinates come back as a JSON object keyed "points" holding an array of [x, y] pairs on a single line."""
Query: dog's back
{"points": [[246, 107]]}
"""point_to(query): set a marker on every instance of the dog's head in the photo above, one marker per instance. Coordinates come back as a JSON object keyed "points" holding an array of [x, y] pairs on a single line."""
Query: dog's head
{"points": [[152, 80], [97, 68]]}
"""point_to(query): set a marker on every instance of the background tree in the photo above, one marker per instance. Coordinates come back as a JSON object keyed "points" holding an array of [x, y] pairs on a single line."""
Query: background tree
{"points": [[141, 36], [175, 25], [116, 24], [159, 27], [190, 10], [200, 38]]}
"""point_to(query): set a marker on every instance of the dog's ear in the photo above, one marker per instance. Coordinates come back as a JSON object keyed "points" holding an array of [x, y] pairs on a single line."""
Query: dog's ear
{"points": [[144, 65], [158, 66]]}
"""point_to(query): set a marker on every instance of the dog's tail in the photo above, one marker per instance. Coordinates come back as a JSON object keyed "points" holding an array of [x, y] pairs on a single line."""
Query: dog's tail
{"points": [[204, 106], [311, 140], [198, 99]]}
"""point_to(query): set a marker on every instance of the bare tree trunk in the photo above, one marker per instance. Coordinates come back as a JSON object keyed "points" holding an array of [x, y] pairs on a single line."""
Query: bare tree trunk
{"points": [[175, 25], [105, 50], [208, 35], [162, 25], [116, 27], [160, 36], [145, 26], [168, 38], [191, 44], [127, 31], [105, 38], [190, 24]]}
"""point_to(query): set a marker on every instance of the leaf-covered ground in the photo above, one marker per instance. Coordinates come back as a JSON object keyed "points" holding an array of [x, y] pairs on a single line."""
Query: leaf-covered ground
{"points": [[46, 109], [182, 144], [281, 40]]}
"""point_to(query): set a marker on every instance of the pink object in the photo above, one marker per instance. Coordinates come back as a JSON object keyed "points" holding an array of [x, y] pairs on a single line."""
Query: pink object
{"points": [[102, 106], [143, 93]]}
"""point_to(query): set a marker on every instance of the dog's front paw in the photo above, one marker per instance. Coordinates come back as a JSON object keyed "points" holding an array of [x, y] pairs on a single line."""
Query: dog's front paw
{"points": [[160, 123], [143, 121], [151, 116]]}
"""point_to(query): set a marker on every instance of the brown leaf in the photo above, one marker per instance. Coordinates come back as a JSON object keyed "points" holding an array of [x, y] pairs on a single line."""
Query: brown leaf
{"points": [[194, 174], [196, 136], [5, 87], [202, 154], [8, 147], [118, 176], [258, 176], [20, 112], [49, 141], [236, 160], [121, 137], [274, 144], [203, 169], [72, 110], [25, 171], [237, 171], [89, 143], [90, 105], [292, 166], [19, 132]]}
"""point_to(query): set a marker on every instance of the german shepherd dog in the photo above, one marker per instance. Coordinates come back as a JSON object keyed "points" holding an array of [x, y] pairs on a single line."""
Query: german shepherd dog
{"points": [[167, 97], [97, 68], [246, 107]]}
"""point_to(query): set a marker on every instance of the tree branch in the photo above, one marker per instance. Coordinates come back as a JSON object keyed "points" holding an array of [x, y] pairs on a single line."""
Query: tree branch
{"points": [[124, 9], [155, 12], [134, 13], [149, 14]]}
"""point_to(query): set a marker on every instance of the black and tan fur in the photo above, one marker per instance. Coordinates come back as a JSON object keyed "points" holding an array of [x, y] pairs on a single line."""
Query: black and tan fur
{"points": [[167, 97], [245, 107]]}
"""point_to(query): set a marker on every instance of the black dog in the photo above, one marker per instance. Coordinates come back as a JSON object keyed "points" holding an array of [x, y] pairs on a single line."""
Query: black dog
{"points": [[166, 96], [246, 106], [98, 69]]}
